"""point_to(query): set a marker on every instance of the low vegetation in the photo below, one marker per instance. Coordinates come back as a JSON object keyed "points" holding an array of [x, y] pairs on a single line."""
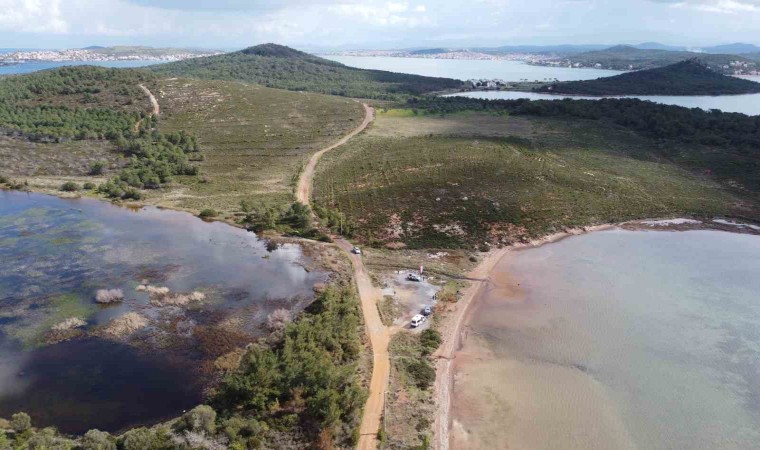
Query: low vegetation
{"points": [[254, 141], [724, 145], [282, 67], [688, 77], [410, 408], [538, 176]]}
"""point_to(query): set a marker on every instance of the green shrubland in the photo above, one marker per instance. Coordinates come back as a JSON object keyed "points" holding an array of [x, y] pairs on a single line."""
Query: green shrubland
{"points": [[285, 68]]}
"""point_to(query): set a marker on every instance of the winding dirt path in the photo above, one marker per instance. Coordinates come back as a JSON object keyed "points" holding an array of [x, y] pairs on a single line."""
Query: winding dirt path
{"points": [[303, 190], [156, 109], [369, 295]]}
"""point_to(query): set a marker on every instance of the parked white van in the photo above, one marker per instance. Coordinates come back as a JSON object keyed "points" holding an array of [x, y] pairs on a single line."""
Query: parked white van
{"points": [[418, 320]]}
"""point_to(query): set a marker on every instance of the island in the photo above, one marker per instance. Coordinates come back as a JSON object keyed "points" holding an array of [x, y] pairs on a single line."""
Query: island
{"points": [[96, 53], [690, 77]]}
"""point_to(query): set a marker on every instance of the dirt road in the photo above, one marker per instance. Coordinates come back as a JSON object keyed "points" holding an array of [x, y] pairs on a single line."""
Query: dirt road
{"points": [[153, 101], [451, 341], [379, 334], [303, 190]]}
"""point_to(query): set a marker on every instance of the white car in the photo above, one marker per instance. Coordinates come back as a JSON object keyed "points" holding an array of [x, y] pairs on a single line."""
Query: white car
{"points": [[414, 277], [418, 320], [356, 251]]}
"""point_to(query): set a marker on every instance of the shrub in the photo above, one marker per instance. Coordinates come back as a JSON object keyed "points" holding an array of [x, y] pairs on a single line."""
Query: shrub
{"points": [[97, 168], [202, 418], [278, 319], [109, 296], [4, 179], [421, 371], [144, 438], [98, 440], [69, 186], [208, 213], [21, 422], [89, 186], [430, 340]]}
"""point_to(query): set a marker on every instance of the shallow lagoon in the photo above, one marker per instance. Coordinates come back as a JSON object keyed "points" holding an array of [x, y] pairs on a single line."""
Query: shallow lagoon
{"points": [[616, 339], [57, 253]]}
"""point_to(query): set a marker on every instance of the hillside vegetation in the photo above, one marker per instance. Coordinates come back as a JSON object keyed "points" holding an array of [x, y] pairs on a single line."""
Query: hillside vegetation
{"points": [[722, 145], [625, 57], [438, 182], [282, 67], [684, 78], [254, 140]]}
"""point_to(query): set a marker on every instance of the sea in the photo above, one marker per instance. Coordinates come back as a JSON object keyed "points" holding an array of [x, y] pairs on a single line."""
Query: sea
{"points": [[520, 71], [614, 340]]}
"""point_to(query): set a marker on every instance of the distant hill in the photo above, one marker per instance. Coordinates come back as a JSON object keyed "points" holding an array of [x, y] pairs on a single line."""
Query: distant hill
{"points": [[688, 77], [566, 49], [625, 57], [735, 49], [429, 51], [282, 67]]}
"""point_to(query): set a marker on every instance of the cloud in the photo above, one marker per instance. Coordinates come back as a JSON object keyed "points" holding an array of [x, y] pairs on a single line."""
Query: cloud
{"points": [[716, 6], [384, 14], [38, 16]]}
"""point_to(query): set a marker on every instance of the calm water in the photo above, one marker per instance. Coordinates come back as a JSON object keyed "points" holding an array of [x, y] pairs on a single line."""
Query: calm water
{"points": [[625, 339], [29, 67], [747, 104], [466, 70], [57, 253]]}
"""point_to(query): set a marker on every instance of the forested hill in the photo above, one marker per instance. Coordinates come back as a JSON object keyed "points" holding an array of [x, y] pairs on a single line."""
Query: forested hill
{"points": [[688, 77], [282, 67]]}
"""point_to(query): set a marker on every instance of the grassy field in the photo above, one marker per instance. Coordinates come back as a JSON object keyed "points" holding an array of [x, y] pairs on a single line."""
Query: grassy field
{"points": [[469, 179], [254, 140], [21, 158]]}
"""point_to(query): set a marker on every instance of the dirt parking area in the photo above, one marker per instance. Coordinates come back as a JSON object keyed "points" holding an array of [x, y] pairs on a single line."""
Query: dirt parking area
{"points": [[409, 297]]}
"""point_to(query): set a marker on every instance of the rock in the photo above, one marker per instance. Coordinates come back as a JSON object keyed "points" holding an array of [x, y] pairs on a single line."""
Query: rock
{"points": [[69, 324]]}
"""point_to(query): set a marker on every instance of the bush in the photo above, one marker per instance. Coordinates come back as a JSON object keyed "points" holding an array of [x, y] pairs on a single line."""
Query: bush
{"points": [[4, 179], [202, 418], [421, 371], [97, 168], [98, 440], [69, 186], [21, 422], [89, 186], [145, 438], [208, 213], [430, 340]]}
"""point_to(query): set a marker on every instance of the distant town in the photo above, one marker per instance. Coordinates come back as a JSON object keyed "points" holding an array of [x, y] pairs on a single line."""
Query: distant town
{"points": [[104, 54]]}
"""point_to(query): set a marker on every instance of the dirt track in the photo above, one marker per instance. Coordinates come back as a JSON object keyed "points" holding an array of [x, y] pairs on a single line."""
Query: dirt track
{"points": [[303, 190], [379, 334], [153, 101]]}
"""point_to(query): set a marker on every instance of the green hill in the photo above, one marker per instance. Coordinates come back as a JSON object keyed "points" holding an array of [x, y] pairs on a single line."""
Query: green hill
{"points": [[688, 77], [282, 67]]}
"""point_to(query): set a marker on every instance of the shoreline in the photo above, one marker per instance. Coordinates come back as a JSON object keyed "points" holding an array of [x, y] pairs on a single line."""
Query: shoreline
{"points": [[455, 324]]}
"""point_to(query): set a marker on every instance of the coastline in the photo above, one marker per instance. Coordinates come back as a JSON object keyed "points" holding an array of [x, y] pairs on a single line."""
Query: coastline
{"points": [[455, 324]]}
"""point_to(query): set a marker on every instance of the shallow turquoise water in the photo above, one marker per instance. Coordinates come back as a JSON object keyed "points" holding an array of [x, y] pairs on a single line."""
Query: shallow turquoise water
{"points": [[667, 323]]}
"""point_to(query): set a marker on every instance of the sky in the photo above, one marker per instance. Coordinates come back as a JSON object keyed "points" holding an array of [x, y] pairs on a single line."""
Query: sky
{"points": [[374, 24]]}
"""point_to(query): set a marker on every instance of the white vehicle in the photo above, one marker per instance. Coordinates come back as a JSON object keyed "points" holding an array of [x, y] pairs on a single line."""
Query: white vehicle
{"points": [[356, 251], [413, 277], [418, 320]]}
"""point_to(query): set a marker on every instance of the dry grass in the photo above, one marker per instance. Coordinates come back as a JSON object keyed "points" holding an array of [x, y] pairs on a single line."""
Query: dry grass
{"points": [[20, 158]]}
